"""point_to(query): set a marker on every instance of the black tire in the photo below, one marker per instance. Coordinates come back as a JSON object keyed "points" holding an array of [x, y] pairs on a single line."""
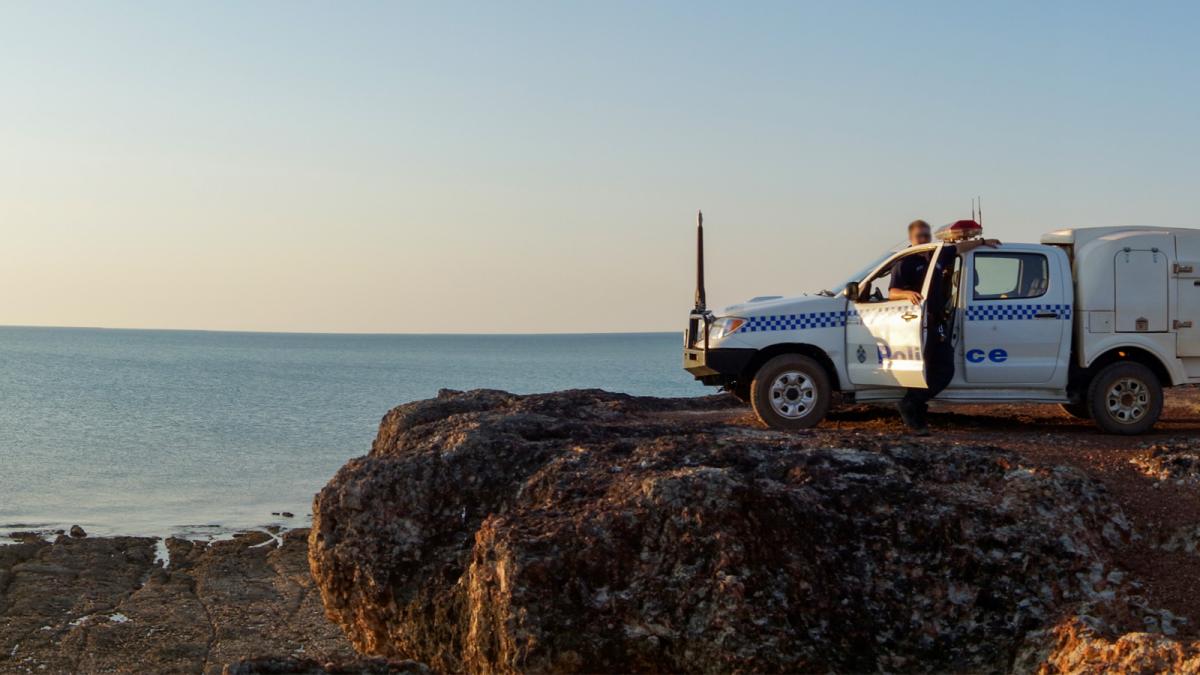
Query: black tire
{"points": [[807, 395], [1077, 410], [1125, 398]]}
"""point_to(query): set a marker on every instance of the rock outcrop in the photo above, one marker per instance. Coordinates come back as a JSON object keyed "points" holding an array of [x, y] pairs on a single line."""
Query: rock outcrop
{"points": [[587, 531]]}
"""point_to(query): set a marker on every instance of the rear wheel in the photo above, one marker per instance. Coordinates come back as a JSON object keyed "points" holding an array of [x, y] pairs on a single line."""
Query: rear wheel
{"points": [[1077, 410], [1125, 398], [790, 391]]}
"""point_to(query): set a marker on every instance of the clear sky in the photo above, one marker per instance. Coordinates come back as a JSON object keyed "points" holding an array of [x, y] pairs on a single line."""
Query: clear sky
{"points": [[536, 167]]}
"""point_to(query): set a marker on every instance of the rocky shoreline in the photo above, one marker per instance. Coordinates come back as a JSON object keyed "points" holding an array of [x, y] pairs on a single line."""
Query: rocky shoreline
{"points": [[109, 604]]}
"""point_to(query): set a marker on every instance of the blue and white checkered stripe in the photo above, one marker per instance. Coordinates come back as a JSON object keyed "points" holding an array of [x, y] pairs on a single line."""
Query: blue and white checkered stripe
{"points": [[758, 324], [992, 312], [872, 312], [976, 312]]}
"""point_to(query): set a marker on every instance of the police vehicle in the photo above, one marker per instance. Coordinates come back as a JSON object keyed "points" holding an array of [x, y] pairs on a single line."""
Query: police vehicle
{"points": [[1097, 320]]}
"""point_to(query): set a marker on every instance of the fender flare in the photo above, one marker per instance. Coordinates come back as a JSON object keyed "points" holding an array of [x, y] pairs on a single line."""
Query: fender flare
{"points": [[1117, 348], [836, 377]]}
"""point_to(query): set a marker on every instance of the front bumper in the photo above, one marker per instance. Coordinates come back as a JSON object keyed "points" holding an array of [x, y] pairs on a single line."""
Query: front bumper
{"points": [[711, 365], [719, 365]]}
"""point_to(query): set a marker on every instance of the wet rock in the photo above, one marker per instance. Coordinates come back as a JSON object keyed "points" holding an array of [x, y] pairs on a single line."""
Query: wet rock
{"points": [[587, 531], [77, 532], [108, 605]]}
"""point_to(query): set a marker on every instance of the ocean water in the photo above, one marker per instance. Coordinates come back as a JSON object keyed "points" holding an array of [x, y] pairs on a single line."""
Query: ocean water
{"points": [[202, 433]]}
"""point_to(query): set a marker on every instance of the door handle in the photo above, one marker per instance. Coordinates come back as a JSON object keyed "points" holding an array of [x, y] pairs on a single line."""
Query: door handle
{"points": [[1046, 315], [908, 316]]}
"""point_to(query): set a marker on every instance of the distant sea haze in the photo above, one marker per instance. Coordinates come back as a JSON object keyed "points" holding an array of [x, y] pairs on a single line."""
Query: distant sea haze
{"points": [[196, 433]]}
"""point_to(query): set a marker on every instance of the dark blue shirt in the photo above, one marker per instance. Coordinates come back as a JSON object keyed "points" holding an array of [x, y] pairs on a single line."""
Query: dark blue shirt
{"points": [[908, 273]]}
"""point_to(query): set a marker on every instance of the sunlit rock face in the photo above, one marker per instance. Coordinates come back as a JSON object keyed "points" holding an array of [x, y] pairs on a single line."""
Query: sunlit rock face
{"points": [[587, 531], [1176, 461], [1087, 645]]}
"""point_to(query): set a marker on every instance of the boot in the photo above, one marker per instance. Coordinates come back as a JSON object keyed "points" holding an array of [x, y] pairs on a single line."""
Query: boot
{"points": [[920, 416], [910, 413]]}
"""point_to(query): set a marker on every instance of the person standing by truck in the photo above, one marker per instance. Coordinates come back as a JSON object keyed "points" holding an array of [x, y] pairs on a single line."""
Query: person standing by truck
{"points": [[908, 276], [909, 272]]}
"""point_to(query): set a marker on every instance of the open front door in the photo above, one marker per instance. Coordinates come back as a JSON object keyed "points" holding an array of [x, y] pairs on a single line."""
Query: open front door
{"points": [[885, 339]]}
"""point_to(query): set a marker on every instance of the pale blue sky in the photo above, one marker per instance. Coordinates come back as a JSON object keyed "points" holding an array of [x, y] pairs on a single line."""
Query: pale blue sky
{"points": [[414, 167]]}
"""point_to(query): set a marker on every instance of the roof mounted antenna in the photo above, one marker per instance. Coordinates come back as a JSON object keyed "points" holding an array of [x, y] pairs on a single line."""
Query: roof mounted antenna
{"points": [[977, 210], [700, 300]]}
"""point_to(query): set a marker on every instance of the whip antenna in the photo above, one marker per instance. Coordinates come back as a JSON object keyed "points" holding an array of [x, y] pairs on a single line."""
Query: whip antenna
{"points": [[700, 300]]}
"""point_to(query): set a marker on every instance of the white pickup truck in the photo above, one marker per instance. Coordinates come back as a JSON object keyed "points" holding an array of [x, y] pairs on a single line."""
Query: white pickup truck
{"points": [[1097, 320]]}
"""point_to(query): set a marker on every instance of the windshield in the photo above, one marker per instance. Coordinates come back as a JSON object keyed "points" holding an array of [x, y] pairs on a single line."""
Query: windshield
{"points": [[866, 269]]}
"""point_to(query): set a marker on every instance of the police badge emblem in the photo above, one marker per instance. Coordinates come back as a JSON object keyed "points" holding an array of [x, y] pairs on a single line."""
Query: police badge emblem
{"points": [[862, 354]]}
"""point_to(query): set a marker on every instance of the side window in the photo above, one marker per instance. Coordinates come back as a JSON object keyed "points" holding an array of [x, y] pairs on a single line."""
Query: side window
{"points": [[876, 290], [1005, 276]]}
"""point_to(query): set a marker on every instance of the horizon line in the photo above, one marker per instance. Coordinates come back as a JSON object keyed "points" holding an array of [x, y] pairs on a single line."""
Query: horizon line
{"points": [[338, 333]]}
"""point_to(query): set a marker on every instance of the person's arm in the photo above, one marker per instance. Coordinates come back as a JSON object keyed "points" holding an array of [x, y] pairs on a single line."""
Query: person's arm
{"points": [[902, 284], [900, 294]]}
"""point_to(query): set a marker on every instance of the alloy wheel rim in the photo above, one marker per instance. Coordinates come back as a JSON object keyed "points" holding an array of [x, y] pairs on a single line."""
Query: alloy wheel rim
{"points": [[793, 394], [1128, 400]]}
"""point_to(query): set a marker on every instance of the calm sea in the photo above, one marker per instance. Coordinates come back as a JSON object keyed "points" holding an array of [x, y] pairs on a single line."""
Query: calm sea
{"points": [[191, 433]]}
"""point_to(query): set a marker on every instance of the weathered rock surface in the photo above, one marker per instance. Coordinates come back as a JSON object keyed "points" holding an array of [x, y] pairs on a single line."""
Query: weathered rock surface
{"points": [[102, 605], [1184, 539], [1078, 645], [1176, 460], [586, 531], [306, 666]]}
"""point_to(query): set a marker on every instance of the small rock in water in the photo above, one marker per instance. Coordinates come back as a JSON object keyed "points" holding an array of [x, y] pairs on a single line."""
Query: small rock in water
{"points": [[77, 532]]}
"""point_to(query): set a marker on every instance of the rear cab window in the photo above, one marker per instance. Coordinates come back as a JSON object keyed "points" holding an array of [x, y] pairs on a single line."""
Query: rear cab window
{"points": [[1007, 276]]}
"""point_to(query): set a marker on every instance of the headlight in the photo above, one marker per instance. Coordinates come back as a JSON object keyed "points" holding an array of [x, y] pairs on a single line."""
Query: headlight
{"points": [[724, 327]]}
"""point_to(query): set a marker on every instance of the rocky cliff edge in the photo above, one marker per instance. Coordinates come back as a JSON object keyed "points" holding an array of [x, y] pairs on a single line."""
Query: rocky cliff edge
{"points": [[589, 531]]}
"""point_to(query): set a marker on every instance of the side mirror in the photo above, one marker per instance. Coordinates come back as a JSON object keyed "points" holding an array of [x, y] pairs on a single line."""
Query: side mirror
{"points": [[851, 291]]}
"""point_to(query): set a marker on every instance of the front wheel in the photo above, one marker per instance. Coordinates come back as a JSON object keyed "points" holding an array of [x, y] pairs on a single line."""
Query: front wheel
{"points": [[1125, 398], [790, 391]]}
